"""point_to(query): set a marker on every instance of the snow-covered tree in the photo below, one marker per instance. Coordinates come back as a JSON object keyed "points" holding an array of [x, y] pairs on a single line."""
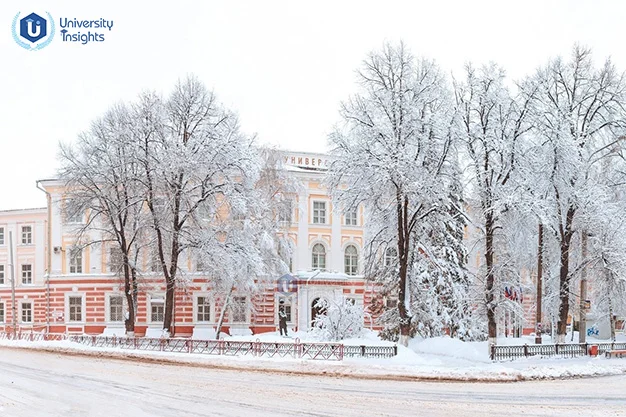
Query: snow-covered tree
{"points": [[341, 318], [103, 189], [578, 113], [390, 155], [195, 157], [491, 122], [246, 245]]}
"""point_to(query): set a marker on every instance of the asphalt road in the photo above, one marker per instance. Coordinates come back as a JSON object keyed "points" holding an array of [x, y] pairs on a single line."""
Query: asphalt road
{"points": [[34, 384]]}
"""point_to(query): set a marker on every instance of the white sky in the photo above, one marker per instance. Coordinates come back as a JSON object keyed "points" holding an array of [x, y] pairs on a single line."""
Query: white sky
{"points": [[283, 65]]}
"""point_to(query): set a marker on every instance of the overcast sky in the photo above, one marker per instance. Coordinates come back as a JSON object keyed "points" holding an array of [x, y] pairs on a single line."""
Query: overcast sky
{"points": [[283, 65]]}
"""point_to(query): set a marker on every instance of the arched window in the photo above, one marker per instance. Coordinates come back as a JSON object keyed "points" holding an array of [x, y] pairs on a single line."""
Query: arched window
{"points": [[351, 260], [391, 254], [318, 260]]}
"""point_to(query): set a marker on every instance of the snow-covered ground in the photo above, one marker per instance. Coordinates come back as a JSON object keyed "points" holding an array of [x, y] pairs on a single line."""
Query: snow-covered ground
{"points": [[45, 384], [433, 359]]}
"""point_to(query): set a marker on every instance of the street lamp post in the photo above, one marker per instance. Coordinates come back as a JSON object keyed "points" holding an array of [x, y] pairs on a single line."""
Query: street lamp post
{"points": [[12, 268]]}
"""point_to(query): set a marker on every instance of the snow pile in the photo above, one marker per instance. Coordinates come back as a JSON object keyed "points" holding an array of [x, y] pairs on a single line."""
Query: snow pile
{"points": [[441, 358], [204, 333], [452, 348]]}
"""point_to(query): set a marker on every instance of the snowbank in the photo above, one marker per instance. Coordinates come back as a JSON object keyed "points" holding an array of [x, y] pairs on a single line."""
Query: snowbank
{"points": [[431, 359]]}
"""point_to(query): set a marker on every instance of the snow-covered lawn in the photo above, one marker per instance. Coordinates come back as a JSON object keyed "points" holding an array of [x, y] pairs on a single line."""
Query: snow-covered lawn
{"points": [[440, 358]]}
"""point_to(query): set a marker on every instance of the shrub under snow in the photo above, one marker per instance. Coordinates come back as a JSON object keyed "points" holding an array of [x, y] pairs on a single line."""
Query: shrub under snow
{"points": [[342, 319]]}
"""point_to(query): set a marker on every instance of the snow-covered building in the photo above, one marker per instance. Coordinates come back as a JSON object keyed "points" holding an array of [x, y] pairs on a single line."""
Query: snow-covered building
{"points": [[60, 289]]}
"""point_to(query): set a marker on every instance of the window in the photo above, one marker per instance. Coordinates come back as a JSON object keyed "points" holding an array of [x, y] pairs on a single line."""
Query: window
{"points": [[27, 235], [155, 263], [159, 205], [285, 212], [157, 309], [350, 217], [116, 308], [200, 264], [391, 254], [239, 309], [285, 303], [1, 312], [73, 213], [76, 261], [319, 212], [318, 260], [27, 274], [27, 313], [351, 260], [1, 274], [1, 235], [391, 302], [116, 260], [204, 309], [75, 308]]}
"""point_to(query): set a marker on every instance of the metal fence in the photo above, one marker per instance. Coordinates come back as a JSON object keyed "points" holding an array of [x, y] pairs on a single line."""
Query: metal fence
{"points": [[569, 350], [297, 349], [325, 351], [363, 351], [31, 336]]}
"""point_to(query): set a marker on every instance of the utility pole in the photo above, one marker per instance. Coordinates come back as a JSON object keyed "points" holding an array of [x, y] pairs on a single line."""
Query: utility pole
{"points": [[582, 326], [539, 286], [12, 268]]}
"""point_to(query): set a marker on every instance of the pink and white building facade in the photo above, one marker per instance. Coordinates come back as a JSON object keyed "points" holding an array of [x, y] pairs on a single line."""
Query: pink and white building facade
{"points": [[59, 293]]}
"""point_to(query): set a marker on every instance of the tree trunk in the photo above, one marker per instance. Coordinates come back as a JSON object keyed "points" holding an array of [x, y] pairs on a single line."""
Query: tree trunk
{"points": [[403, 252], [129, 322], [564, 278], [130, 301], [610, 302], [538, 312], [218, 330], [490, 280]]}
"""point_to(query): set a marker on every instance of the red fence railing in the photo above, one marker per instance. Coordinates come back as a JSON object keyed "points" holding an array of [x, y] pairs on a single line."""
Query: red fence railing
{"points": [[295, 349]]}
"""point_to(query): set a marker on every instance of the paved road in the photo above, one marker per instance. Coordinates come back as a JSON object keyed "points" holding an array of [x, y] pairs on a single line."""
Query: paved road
{"points": [[34, 384]]}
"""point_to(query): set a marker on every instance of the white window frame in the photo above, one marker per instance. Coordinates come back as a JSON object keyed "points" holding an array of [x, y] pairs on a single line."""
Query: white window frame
{"points": [[3, 273], [351, 218], [68, 307], [351, 265], [285, 212], [313, 266], [231, 313], [196, 307], [154, 265], [319, 215], [288, 301], [30, 277], [387, 258], [200, 264], [32, 313], [391, 299], [107, 306], [155, 299], [2, 235], [74, 218], [26, 237], [76, 266], [111, 266]]}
